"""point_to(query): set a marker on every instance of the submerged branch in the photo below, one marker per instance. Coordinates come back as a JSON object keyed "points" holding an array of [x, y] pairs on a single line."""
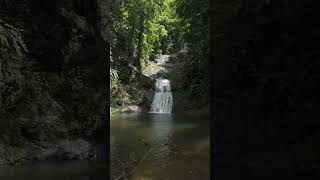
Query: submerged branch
{"points": [[125, 175]]}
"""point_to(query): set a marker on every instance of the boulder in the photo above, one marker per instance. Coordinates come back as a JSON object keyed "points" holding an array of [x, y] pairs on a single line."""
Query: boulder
{"points": [[130, 109], [78, 149]]}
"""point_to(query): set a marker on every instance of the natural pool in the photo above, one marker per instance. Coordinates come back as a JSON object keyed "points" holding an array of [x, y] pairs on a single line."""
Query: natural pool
{"points": [[180, 151], [64, 170], [181, 146]]}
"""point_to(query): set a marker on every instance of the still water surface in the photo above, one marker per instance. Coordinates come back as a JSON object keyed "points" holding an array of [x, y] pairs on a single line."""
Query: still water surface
{"points": [[186, 155], [181, 151], [67, 170]]}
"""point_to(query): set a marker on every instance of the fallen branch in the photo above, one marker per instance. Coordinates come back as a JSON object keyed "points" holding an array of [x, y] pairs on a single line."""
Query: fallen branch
{"points": [[126, 175]]}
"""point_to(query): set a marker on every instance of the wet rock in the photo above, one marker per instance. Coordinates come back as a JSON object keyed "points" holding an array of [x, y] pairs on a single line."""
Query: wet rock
{"points": [[3, 162], [78, 149], [147, 82], [130, 109], [148, 98], [42, 154]]}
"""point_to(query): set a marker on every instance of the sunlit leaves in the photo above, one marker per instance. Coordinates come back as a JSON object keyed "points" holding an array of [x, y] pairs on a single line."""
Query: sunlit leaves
{"points": [[159, 18]]}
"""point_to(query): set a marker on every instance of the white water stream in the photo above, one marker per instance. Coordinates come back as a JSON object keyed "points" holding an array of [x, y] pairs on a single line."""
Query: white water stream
{"points": [[162, 102]]}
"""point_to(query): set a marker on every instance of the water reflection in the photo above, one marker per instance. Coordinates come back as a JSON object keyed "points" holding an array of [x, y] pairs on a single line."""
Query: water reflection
{"points": [[161, 126], [70, 170], [184, 155]]}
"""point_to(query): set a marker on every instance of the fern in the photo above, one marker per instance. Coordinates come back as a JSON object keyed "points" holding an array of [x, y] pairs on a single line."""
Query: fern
{"points": [[11, 38], [15, 15]]}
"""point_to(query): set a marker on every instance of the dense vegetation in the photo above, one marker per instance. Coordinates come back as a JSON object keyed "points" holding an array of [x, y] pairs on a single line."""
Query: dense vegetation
{"points": [[265, 73], [51, 78], [266, 88], [143, 30]]}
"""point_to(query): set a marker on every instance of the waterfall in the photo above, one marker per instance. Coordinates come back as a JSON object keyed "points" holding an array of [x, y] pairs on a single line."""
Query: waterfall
{"points": [[162, 102]]}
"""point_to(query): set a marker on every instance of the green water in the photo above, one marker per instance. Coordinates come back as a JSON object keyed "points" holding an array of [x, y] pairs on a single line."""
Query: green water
{"points": [[67, 170], [182, 151], [182, 146]]}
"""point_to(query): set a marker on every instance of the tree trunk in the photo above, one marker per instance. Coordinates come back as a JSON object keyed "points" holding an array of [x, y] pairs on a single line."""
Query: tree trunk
{"points": [[140, 41]]}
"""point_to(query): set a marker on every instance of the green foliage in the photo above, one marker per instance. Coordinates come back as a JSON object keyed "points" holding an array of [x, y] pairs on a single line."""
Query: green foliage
{"points": [[159, 21], [12, 81], [194, 26], [139, 27], [114, 78], [11, 38], [144, 29], [23, 112], [82, 114], [43, 98], [13, 156]]}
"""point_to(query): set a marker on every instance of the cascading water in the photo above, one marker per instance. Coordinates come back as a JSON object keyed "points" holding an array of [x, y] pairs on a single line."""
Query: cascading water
{"points": [[162, 102]]}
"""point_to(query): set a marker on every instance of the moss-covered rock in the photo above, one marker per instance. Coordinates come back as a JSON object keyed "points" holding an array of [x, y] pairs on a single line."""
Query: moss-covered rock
{"points": [[51, 75]]}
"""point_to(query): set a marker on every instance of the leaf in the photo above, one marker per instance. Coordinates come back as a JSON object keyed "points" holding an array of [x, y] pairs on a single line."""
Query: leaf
{"points": [[16, 46], [4, 40]]}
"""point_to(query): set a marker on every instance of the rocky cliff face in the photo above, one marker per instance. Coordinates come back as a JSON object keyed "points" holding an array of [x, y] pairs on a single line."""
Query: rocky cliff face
{"points": [[59, 88]]}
